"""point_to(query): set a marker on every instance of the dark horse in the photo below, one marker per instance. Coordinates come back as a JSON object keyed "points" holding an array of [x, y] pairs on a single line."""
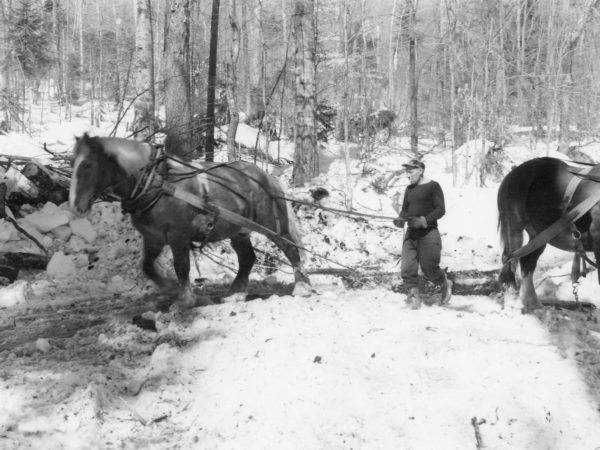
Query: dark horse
{"points": [[239, 187], [531, 198]]}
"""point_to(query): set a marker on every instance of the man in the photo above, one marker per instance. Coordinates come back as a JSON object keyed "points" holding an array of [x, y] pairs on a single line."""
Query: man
{"points": [[423, 205]]}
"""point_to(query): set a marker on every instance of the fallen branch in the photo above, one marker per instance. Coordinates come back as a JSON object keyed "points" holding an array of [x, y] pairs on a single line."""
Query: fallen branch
{"points": [[476, 423]]}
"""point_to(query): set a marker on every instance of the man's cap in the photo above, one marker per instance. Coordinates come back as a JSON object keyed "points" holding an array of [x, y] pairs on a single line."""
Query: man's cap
{"points": [[414, 164]]}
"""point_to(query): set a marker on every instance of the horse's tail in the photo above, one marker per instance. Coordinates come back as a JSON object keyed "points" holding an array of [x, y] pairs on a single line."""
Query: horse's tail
{"points": [[503, 223], [293, 227]]}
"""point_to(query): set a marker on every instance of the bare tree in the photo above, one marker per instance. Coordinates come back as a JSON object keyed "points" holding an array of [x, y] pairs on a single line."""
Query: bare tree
{"points": [[143, 124], [305, 154], [413, 86], [234, 50], [212, 81], [567, 86], [4, 67], [176, 70]]}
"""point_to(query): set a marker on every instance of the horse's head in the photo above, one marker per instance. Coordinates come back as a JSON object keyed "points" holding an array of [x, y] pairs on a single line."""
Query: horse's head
{"points": [[100, 162], [86, 182]]}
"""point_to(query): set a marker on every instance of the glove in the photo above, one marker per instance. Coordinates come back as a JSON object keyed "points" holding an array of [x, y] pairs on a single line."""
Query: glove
{"points": [[417, 222], [399, 222]]}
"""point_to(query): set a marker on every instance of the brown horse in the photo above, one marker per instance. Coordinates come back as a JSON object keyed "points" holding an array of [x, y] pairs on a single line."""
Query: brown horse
{"points": [[137, 176], [533, 197]]}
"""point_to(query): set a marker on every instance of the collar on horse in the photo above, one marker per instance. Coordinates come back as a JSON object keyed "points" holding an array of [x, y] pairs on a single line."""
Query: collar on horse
{"points": [[148, 188]]}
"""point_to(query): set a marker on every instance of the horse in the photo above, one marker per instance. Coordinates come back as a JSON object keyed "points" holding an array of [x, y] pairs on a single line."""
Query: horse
{"points": [[545, 193], [140, 178]]}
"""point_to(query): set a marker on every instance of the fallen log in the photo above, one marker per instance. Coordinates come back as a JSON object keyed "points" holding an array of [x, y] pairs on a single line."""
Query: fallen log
{"points": [[52, 186]]}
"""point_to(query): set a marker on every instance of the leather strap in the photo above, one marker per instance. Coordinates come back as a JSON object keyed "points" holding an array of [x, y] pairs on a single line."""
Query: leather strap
{"points": [[573, 183], [553, 230], [226, 214]]}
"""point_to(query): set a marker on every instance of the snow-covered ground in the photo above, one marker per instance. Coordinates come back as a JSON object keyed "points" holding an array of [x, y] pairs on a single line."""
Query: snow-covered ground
{"points": [[344, 368]]}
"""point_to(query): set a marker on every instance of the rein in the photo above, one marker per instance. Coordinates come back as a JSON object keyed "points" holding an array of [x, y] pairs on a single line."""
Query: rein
{"points": [[148, 188]]}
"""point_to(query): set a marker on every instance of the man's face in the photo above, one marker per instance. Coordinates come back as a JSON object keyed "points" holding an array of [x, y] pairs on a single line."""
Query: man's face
{"points": [[414, 173]]}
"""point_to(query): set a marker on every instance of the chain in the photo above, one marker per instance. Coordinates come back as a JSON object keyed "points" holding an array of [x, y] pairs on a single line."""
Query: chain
{"points": [[575, 291]]}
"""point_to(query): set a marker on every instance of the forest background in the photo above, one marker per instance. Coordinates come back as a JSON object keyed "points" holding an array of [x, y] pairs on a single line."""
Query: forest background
{"points": [[455, 70]]}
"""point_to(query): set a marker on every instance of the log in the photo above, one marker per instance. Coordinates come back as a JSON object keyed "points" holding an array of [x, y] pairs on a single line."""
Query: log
{"points": [[52, 186], [24, 260]]}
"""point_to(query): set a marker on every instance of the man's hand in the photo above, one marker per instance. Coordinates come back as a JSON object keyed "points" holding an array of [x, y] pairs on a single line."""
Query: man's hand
{"points": [[417, 222], [399, 222]]}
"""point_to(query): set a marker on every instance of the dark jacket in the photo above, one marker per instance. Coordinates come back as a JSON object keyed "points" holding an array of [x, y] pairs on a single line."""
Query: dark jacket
{"points": [[425, 200]]}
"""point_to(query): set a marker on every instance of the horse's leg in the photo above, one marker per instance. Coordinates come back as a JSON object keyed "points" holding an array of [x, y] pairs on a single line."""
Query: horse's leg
{"points": [[528, 296], [595, 233], [512, 241], [180, 246], [152, 247], [292, 253], [246, 257]]}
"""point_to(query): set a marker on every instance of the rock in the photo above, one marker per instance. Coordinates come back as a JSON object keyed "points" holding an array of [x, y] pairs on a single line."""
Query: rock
{"points": [[33, 231], [302, 289], [7, 231], [13, 294], [46, 241], [61, 265], [63, 232], [270, 280], [42, 345], [39, 287], [84, 229], [76, 244], [47, 222], [118, 284]]}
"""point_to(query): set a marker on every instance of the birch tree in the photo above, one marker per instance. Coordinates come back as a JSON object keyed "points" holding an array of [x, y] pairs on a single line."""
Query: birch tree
{"points": [[178, 113], [305, 153], [231, 70], [143, 124]]}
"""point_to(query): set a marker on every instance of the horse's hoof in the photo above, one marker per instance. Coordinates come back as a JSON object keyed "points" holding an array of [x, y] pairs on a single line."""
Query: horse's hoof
{"points": [[235, 297], [203, 300], [302, 289]]}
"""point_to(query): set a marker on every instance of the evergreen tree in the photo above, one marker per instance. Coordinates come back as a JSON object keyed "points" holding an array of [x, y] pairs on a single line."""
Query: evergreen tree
{"points": [[30, 40]]}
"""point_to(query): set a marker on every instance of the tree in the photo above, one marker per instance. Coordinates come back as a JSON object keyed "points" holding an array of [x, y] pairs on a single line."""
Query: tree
{"points": [[231, 69], [30, 40], [212, 82], [4, 69], [413, 84], [143, 124], [305, 153], [178, 115]]}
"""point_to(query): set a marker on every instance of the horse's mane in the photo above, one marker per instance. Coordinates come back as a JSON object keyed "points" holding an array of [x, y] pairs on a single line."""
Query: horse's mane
{"points": [[126, 153]]}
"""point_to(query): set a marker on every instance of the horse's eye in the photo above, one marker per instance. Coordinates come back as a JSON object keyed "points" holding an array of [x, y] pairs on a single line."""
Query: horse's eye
{"points": [[85, 165]]}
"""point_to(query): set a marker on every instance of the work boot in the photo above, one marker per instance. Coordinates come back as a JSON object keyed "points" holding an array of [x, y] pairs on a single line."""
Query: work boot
{"points": [[446, 288], [415, 298]]}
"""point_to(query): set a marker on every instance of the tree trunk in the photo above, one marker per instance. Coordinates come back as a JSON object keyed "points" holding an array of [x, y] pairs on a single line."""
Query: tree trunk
{"points": [[413, 88], [4, 69], [567, 85], [305, 154], [143, 122], [391, 69], [117, 71], [346, 76], [234, 50], [246, 61], [56, 32], [212, 79], [81, 52], [177, 87]]}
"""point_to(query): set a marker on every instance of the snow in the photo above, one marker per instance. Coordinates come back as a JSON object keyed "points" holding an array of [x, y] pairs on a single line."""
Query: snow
{"points": [[346, 367]]}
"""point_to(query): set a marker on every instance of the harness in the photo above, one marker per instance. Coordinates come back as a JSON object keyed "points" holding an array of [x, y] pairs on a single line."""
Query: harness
{"points": [[148, 188], [153, 183], [567, 219]]}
